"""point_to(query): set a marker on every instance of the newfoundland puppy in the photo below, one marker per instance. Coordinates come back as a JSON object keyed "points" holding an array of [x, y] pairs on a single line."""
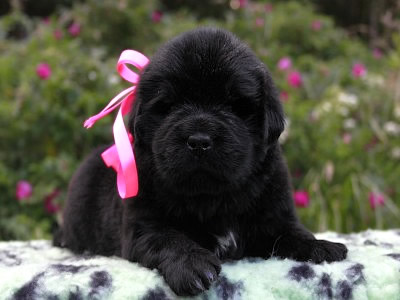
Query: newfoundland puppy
{"points": [[213, 185]]}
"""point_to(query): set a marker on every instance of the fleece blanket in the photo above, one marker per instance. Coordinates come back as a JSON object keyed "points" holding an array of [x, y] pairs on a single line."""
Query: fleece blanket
{"points": [[36, 270]]}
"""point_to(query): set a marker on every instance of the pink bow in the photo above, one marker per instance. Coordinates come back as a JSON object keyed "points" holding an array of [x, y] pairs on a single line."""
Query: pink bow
{"points": [[120, 156]]}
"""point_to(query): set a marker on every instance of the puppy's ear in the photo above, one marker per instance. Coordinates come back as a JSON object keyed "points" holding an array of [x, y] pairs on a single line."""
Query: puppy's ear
{"points": [[274, 122]]}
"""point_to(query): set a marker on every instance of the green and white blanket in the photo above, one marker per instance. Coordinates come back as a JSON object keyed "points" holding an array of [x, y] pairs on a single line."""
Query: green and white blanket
{"points": [[36, 270]]}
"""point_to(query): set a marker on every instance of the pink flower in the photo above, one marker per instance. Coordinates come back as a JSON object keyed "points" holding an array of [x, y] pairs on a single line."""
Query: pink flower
{"points": [[156, 16], [284, 63], [316, 25], [259, 22], [74, 29], [371, 144], [324, 71], [346, 137], [268, 7], [376, 199], [43, 70], [301, 198], [377, 53], [46, 20], [49, 206], [284, 96], [23, 190], [390, 191], [58, 34], [359, 70], [243, 3], [297, 173], [294, 79]]}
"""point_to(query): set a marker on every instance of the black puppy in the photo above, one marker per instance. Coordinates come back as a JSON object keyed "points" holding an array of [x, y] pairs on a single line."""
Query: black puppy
{"points": [[213, 185]]}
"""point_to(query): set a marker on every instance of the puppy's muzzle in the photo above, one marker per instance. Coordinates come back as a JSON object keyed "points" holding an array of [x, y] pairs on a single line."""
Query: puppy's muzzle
{"points": [[199, 143]]}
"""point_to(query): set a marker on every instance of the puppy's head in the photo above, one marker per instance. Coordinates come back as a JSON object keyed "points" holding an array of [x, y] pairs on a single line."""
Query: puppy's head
{"points": [[206, 112]]}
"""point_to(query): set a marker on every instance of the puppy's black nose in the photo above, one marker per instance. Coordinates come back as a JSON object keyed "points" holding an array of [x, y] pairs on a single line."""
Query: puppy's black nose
{"points": [[199, 142]]}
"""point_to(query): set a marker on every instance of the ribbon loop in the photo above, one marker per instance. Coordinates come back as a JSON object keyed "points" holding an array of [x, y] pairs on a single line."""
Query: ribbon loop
{"points": [[131, 57], [120, 156]]}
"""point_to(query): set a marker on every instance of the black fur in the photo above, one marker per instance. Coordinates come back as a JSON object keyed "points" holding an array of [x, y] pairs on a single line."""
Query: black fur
{"points": [[224, 196]]}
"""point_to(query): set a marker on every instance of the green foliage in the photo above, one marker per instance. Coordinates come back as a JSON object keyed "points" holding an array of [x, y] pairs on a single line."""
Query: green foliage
{"points": [[341, 141]]}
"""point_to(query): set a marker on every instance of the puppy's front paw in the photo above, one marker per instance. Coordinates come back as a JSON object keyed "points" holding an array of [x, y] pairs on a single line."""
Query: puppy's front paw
{"points": [[192, 273], [315, 251], [322, 250]]}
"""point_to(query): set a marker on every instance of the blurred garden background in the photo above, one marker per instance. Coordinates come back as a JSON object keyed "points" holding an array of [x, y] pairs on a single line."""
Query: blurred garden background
{"points": [[336, 63]]}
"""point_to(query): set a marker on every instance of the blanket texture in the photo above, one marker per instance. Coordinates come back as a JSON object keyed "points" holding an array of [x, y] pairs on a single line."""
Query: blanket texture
{"points": [[36, 270]]}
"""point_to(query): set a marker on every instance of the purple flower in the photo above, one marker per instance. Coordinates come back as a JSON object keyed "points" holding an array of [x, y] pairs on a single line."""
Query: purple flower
{"points": [[156, 16], [23, 190], [74, 29], [359, 70], [49, 206], [295, 79], [43, 70], [376, 199], [301, 198], [316, 25], [284, 63]]}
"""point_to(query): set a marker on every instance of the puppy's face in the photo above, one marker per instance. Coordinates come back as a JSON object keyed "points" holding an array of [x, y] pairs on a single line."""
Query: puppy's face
{"points": [[206, 111]]}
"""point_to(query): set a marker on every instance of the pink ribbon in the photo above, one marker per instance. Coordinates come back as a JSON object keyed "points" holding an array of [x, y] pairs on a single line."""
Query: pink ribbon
{"points": [[120, 156]]}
